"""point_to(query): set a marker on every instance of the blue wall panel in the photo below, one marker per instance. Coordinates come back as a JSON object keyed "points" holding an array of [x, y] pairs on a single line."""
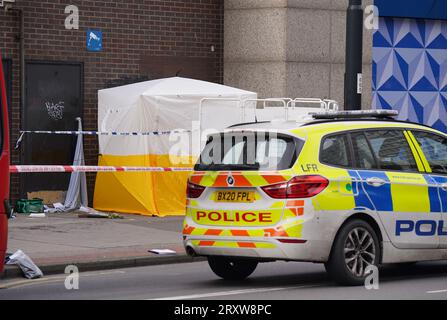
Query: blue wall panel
{"points": [[423, 9], [410, 69]]}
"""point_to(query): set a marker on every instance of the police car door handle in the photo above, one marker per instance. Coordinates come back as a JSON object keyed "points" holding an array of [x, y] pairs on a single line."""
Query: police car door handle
{"points": [[376, 182], [444, 186]]}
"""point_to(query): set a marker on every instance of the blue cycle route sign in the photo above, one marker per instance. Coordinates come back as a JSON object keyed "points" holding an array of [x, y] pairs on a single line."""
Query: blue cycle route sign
{"points": [[94, 40]]}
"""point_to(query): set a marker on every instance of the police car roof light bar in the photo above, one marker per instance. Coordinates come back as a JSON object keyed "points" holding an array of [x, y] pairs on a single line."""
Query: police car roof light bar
{"points": [[375, 114]]}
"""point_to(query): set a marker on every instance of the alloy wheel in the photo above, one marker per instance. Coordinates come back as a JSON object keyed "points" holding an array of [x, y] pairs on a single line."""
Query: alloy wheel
{"points": [[360, 251]]}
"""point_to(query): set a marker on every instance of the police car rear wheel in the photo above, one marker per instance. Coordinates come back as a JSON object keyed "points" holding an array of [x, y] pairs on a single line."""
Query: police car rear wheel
{"points": [[356, 248], [232, 269]]}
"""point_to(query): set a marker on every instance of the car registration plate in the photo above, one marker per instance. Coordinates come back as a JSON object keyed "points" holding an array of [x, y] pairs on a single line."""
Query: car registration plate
{"points": [[235, 196]]}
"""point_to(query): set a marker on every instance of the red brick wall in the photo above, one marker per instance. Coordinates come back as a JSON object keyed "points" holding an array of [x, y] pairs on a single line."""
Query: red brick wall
{"points": [[132, 30]]}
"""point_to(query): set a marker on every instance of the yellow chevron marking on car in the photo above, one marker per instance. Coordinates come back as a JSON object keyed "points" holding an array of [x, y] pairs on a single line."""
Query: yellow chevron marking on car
{"points": [[194, 203], [208, 179], [234, 244], [291, 228], [242, 179], [256, 180], [294, 230], [277, 205]]}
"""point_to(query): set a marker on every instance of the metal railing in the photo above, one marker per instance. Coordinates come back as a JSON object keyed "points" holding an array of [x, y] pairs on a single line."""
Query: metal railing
{"points": [[288, 104]]}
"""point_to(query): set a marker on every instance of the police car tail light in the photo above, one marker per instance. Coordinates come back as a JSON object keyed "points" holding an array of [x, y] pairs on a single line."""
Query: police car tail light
{"points": [[194, 191], [306, 186], [276, 191], [297, 188]]}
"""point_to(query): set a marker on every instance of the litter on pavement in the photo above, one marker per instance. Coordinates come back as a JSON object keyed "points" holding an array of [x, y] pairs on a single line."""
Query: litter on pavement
{"points": [[163, 251], [94, 215], [37, 215], [29, 269], [57, 208], [99, 215]]}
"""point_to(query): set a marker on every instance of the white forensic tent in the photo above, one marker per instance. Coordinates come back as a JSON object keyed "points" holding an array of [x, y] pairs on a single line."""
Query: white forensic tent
{"points": [[154, 106]]}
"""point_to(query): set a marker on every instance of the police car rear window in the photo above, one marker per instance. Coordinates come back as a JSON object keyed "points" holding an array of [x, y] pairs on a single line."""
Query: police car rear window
{"points": [[249, 152], [391, 150], [334, 151], [362, 152]]}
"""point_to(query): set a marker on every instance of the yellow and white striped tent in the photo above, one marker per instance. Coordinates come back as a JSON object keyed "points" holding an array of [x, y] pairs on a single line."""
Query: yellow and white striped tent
{"points": [[153, 106]]}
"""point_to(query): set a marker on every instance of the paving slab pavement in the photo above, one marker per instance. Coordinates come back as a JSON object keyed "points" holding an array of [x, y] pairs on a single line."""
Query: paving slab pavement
{"points": [[63, 239]]}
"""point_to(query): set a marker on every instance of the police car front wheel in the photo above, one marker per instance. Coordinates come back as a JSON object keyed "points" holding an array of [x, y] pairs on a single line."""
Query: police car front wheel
{"points": [[232, 269], [356, 248]]}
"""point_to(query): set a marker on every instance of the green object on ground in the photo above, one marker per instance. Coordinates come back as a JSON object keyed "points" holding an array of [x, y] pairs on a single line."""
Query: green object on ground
{"points": [[115, 216], [29, 206]]}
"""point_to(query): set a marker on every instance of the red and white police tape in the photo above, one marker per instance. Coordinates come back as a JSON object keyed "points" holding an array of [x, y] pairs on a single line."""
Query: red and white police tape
{"points": [[71, 169]]}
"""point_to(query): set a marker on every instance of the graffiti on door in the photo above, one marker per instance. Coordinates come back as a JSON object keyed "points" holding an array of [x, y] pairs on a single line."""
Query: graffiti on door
{"points": [[55, 110]]}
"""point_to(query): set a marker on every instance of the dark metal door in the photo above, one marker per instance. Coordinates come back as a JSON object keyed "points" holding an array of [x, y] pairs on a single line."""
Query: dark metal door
{"points": [[53, 102]]}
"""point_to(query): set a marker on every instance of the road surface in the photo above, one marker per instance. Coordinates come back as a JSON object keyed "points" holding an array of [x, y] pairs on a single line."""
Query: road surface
{"points": [[194, 281]]}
